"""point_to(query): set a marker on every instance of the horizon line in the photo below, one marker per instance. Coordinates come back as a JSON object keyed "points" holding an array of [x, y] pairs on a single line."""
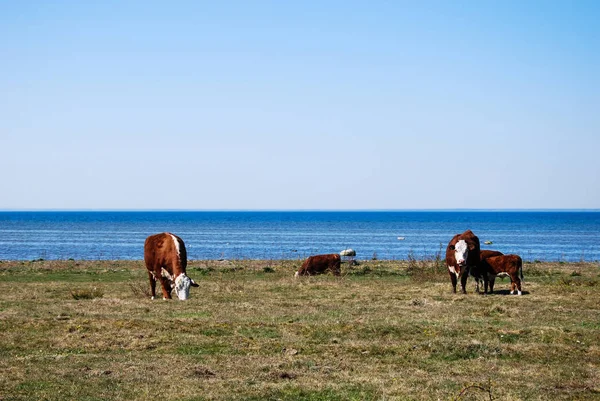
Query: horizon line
{"points": [[124, 210]]}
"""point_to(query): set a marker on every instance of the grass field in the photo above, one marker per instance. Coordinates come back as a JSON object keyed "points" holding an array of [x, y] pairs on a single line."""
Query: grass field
{"points": [[385, 330]]}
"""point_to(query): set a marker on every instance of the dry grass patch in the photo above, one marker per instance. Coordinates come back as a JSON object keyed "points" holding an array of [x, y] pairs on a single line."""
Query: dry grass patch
{"points": [[87, 293], [252, 331]]}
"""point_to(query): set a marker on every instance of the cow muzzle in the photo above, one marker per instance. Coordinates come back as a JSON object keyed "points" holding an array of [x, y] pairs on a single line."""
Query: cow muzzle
{"points": [[182, 286]]}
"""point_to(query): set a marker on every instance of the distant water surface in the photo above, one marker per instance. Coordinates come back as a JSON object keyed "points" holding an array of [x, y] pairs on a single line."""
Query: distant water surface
{"points": [[546, 236]]}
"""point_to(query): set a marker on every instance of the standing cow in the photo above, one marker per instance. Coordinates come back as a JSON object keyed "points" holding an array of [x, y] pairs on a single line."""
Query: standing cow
{"points": [[502, 266], [462, 254], [319, 263], [166, 260], [478, 272]]}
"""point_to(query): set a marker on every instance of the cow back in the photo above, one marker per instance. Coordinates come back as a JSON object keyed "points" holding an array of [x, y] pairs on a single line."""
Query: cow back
{"points": [[165, 250], [511, 264], [487, 253]]}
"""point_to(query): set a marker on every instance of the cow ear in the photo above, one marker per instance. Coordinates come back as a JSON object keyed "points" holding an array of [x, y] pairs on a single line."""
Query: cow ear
{"points": [[194, 283], [451, 247]]}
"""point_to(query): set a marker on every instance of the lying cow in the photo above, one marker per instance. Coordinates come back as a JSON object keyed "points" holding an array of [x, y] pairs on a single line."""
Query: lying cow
{"points": [[462, 254], [319, 264], [166, 260], [502, 266]]}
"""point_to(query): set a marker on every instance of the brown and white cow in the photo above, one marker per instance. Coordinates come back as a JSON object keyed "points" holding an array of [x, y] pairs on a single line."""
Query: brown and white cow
{"points": [[166, 260], [502, 266], [477, 272], [318, 264], [462, 254]]}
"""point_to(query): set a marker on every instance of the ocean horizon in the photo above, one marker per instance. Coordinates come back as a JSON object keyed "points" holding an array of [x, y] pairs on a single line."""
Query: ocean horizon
{"points": [[535, 234], [125, 210]]}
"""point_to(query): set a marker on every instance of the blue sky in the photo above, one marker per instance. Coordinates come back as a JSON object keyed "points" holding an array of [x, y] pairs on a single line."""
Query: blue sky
{"points": [[299, 105]]}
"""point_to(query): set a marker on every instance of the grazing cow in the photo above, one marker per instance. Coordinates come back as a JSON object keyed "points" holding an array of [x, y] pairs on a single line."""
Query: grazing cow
{"points": [[319, 263], [166, 260], [502, 266], [462, 254], [477, 272]]}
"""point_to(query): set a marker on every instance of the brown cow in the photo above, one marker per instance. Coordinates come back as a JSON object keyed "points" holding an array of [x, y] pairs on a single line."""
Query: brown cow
{"points": [[319, 263], [488, 253], [166, 260], [462, 254], [502, 266], [477, 272]]}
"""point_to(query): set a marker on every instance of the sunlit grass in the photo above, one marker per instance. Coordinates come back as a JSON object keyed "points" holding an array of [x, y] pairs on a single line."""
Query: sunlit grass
{"points": [[384, 330]]}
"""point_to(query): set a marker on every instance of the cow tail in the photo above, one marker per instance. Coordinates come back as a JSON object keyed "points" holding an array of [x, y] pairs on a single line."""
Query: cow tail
{"points": [[521, 271]]}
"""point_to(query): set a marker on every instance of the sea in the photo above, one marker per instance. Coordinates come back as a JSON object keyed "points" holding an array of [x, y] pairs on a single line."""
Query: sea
{"points": [[569, 236]]}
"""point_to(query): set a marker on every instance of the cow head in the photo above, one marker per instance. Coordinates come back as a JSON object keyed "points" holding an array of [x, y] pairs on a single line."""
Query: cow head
{"points": [[461, 253], [182, 286]]}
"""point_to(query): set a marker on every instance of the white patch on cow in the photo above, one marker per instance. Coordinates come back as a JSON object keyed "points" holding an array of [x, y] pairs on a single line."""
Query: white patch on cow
{"points": [[176, 244], [182, 286], [453, 270], [461, 252], [297, 275], [152, 298], [166, 274], [519, 292], [502, 275]]}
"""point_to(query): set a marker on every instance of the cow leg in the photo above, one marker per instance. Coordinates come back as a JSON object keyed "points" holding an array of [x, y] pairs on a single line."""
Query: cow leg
{"points": [[165, 284], [152, 284], [518, 281], [166, 288], [336, 270], [486, 283], [479, 282], [463, 282], [454, 280], [492, 281], [515, 283], [476, 284]]}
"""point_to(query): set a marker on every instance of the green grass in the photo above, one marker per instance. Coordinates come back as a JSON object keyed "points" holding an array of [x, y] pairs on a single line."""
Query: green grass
{"points": [[385, 330]]}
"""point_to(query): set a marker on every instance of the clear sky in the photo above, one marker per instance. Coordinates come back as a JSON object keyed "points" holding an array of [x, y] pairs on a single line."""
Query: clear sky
{"points": [[299, 105]]}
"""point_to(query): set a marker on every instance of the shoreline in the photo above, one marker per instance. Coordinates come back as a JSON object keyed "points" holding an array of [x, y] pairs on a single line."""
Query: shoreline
{"points": [[271, 260]]}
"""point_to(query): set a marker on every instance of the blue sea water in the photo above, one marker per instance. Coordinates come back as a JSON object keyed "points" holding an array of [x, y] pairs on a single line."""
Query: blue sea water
{"points": [[535, 235]]}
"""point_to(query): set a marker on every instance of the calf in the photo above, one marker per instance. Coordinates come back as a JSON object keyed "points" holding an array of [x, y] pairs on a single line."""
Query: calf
{"points": [[166, 260], [462, 254], [502, 266], [488, 253], [319, 263], [477, 272]]}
